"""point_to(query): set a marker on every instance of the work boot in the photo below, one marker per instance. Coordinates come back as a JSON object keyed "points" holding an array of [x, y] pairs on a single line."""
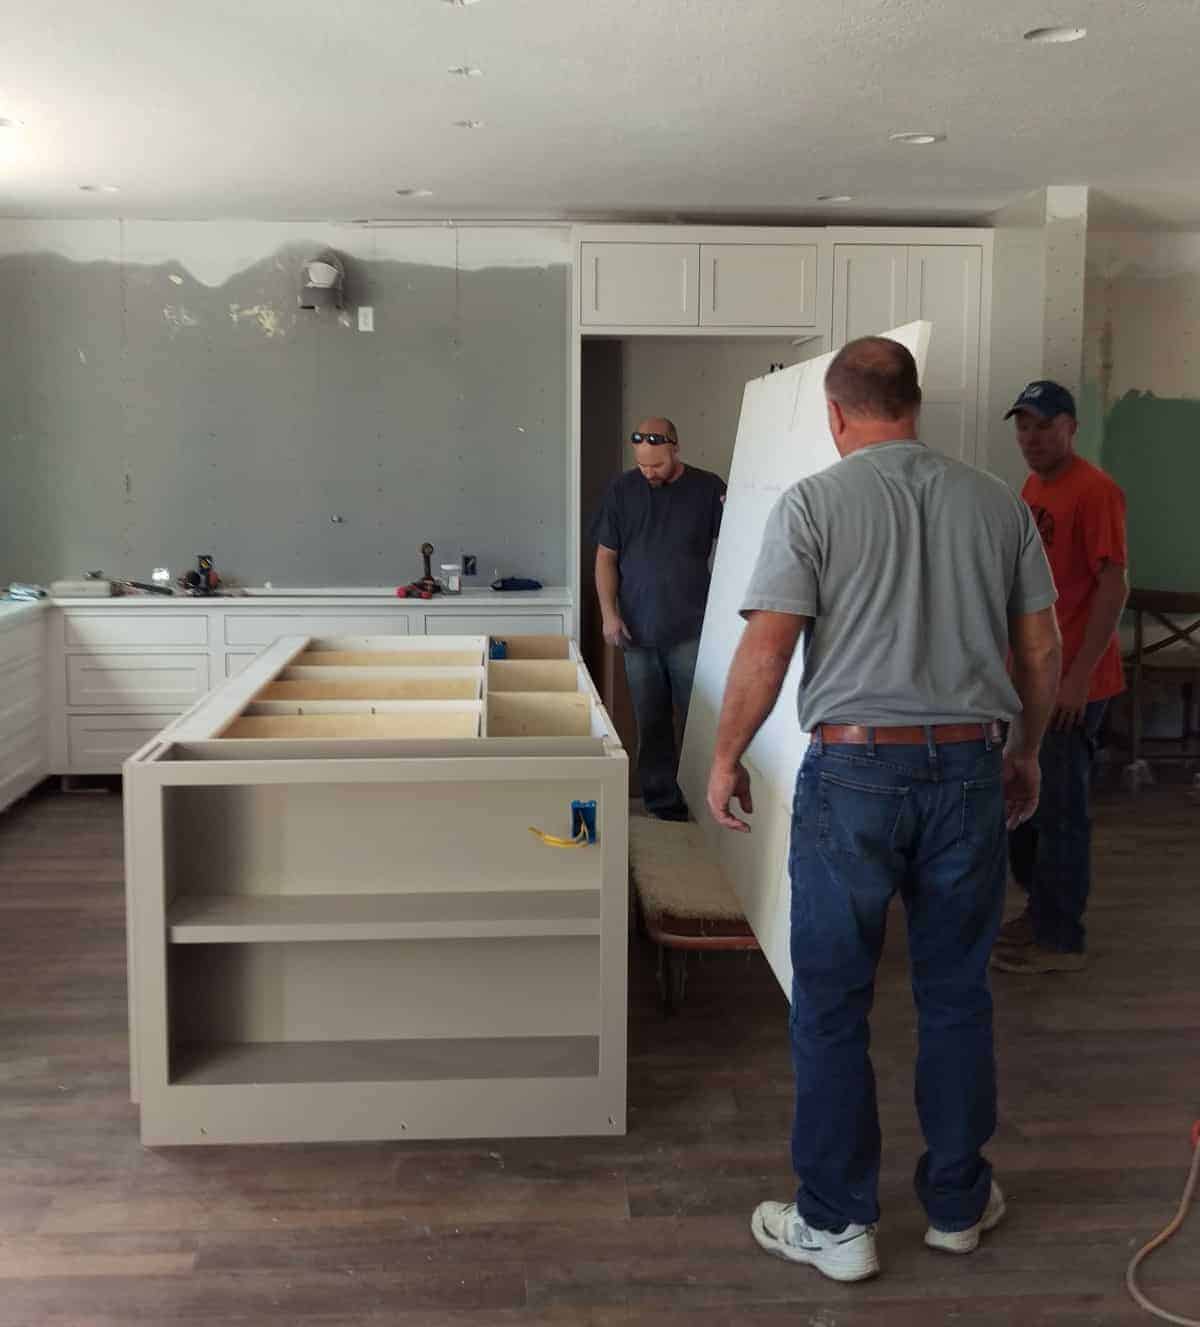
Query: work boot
{"points": [[1017, 932], [1035, 959]]}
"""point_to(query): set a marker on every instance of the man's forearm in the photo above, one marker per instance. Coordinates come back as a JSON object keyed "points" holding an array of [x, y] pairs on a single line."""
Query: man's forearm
{"points": [[608, 581], [1108, 603], [753, 686], [1036, 678]]}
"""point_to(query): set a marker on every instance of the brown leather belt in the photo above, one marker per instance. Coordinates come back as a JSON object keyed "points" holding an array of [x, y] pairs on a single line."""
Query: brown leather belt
{"points": [[853, 734]]}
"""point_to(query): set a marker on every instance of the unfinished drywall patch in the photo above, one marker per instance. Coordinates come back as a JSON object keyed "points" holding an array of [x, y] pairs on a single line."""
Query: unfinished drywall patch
{"points": [[1152, 449], [1139, 410], [157, 404], [1066, 260], [1143, 326]]}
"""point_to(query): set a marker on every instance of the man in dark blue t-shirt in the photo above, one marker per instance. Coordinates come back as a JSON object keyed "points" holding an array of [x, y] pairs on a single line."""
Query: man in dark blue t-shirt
{"points": [[654, 535]]}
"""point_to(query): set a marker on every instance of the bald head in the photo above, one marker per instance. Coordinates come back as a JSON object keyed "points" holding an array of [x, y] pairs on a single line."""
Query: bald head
{"points": [[658, 461], [658, 424], [874, 378]]}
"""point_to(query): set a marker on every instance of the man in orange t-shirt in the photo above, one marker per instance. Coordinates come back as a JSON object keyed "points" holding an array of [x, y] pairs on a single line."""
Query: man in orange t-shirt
{"points": [[1080, 512]]}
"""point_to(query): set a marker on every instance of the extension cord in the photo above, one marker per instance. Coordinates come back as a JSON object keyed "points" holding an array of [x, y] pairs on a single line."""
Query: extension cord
{"points": [[1160, 1239]]}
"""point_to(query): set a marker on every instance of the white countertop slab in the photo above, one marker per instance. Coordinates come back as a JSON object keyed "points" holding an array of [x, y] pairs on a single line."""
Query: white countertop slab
{"points": [[356, 596]]}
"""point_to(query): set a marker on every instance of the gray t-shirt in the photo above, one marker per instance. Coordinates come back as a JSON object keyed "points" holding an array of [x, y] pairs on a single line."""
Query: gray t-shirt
{"points": [[910, 565]]}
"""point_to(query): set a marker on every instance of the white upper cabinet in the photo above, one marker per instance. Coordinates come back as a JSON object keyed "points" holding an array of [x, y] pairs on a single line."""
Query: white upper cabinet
{"points": [[877, 286], [870, 290], [698, 285], [758, 285], [640, 285], [944, 287]]}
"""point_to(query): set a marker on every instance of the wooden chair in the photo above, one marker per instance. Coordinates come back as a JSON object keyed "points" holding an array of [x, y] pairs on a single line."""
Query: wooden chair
{"points": [[1175, 654]]}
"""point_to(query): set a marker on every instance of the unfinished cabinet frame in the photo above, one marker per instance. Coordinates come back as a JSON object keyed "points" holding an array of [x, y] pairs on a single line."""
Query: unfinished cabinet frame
{"points": [[340, 923]]}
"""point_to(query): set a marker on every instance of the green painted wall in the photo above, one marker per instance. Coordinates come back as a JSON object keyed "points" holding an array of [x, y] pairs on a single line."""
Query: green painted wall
{"points": [[1151, 447]]}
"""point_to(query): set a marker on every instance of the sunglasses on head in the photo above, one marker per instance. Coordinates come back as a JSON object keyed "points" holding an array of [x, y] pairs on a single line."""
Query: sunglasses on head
{"points": [[650, 439]]}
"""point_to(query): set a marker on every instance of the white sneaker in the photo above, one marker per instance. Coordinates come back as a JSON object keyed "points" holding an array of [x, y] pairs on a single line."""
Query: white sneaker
{"points": [[967, 1241], [781, 1230]]}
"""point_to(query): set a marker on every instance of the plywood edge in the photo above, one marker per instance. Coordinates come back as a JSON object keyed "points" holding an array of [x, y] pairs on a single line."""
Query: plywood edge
{"points": [[535, 647], [464, 724], [390, 688], [368, 706], [389, 659]]}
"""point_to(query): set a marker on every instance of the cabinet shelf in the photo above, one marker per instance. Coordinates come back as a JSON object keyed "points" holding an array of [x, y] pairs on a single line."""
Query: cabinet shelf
{"points": [[408, 1060], [263, 919]]}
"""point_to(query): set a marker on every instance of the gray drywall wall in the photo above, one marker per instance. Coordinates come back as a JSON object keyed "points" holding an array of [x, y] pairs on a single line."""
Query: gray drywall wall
{"points": [[161, 395]]}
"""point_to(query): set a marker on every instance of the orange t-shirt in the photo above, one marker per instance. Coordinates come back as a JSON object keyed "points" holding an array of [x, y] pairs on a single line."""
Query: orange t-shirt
{"points": [[1081, 516]]}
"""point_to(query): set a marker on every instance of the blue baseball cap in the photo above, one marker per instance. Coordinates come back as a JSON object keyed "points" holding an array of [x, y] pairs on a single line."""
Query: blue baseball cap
{"points": [[1045, 398]]}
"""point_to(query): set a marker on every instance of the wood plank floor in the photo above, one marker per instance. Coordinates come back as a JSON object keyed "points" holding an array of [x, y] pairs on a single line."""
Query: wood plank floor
{"points": [[1101, 1082]]}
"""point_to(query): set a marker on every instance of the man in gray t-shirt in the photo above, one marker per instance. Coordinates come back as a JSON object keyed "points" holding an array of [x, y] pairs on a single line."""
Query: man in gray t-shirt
{"points": [[910, 567], [912, 578]]}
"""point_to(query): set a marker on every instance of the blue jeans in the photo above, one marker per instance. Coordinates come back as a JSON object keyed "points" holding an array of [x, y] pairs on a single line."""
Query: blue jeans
{"points": [[927, 822], [1051, 855], [660, 682]]}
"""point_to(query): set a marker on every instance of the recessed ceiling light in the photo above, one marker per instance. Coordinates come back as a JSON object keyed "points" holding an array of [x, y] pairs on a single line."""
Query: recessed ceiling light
{"points": [[415, 193], [917, 139], [459, 4], [468, 124], [465, 71], [100, 188], [1055, 36], [835, 198]]}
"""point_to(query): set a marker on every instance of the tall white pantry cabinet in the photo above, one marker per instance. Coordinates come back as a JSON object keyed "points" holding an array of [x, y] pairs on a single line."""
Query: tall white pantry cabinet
{"points": [[377, 889], [820, 286]]}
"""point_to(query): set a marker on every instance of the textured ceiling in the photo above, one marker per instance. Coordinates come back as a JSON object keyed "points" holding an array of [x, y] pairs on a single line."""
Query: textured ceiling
{"points": [[656, 109]]}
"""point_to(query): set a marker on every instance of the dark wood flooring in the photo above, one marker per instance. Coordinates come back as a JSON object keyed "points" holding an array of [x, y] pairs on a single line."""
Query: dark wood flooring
{"points": [[1101, 1082]]}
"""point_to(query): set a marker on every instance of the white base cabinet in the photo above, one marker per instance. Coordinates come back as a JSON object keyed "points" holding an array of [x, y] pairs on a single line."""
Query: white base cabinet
{"points": [[341, 926], [121, 669], [23, 729]]}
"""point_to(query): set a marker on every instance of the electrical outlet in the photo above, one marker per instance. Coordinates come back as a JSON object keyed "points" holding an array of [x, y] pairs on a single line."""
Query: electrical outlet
{"points": [[469, 564], [366, 318]]}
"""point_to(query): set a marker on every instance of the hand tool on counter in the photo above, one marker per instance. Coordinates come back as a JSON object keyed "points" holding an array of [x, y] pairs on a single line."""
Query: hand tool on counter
{"points": [[427, 586], [204, 579]]}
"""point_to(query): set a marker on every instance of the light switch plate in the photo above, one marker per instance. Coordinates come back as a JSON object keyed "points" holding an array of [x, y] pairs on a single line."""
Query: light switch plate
{"points": [[366, 318]]}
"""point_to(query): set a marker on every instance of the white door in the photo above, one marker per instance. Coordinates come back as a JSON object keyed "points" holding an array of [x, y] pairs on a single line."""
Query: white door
{"points": [[944, 287], [758, 285], [639, 285], [870, 290]]}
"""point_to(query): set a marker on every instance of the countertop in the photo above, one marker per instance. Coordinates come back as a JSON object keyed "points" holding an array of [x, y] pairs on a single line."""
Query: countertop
{"points": [[353, 596]]}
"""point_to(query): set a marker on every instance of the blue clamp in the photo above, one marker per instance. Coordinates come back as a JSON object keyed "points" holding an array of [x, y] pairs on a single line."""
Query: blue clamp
{"points": [[583, 820]]}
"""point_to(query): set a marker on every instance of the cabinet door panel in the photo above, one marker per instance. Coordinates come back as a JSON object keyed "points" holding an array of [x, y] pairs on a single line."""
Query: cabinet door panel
{"points": [[758, 285], [640, 285], [98, 743], [494, 624], [944, 287], [147, 626], [870, 290], [136, 679], [244, 628]]}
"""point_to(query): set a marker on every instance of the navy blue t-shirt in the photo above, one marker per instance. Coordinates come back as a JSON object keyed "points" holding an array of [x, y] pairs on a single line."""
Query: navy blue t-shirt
{"points": [[663, 537]]}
